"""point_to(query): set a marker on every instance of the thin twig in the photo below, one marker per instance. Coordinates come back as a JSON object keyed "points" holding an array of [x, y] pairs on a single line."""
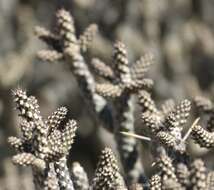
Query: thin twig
{"points": [[136, 136], [190, 129]]}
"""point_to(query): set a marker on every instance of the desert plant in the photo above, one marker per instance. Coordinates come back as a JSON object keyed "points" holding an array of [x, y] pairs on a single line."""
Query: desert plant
{"points": [[45, 143]]}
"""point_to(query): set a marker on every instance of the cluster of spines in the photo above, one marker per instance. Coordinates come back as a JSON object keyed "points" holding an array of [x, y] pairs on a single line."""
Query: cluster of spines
{"points": [[27, 106], [183, 173], [204, 136], [28, 159], [168, 141], [42, 142], [172, 175], [122, 73], [66, 30], [79, 177], [56, 117], [86, 38], [171, 184], [198, 175], [17, 144], [178, 117], [155, 182], [29, 110], [49, 55], [141, 66], [64, 38], [165, 165], [166, 125], [27, 128], [121, 65], [146, 102], [107, 174], [102, 69], [168, 106], [109, 90]]}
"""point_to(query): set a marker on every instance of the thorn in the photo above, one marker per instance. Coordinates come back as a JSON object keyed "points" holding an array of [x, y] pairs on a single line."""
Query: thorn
{"points": [[190, 130], [136, 136]]}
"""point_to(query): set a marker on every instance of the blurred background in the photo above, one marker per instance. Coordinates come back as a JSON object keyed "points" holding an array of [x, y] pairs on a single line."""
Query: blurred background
{"points": [[179, 32]]}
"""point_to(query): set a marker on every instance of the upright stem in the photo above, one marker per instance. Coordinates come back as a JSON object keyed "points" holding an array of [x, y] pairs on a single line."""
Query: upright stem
{"points": [[127, 146], [86, 83], [63, 175]]}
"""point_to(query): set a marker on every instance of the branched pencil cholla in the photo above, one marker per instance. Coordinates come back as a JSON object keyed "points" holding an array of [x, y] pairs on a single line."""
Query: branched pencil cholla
{"points": [[42, 142], [45, 144]]}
